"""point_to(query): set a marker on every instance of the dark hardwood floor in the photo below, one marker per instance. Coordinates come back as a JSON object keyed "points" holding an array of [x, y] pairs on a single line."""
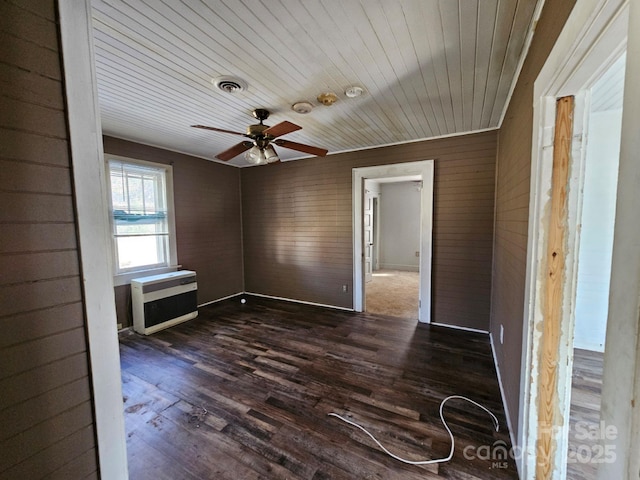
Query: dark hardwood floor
{"points": [[243, 392], [586, 388]]}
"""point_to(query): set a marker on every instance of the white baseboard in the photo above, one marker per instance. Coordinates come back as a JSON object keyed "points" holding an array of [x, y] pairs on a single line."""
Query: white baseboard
{"points": [[504, 401], [335, 307], [458, 327], [217, 300], [220, 299], [299, 301]]}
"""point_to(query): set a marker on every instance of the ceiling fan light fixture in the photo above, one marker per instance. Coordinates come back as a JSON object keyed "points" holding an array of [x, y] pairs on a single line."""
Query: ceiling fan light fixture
{"points": [[302, 107], [255, 156], [259, 150], [270, 154]]}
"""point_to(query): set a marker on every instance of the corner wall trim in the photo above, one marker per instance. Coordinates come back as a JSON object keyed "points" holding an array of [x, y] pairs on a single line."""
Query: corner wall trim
{"points": [[87, 163]]}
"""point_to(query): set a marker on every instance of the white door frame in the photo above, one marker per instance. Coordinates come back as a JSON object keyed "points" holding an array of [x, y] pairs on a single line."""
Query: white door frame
{"points": [[621, 379], [425, 169], [592, 38], [89, 178]]}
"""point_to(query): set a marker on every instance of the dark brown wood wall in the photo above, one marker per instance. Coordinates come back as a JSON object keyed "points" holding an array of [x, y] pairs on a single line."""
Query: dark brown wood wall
{"points": [[297, 224], [512, 206], [208, 228], [46, 418]]}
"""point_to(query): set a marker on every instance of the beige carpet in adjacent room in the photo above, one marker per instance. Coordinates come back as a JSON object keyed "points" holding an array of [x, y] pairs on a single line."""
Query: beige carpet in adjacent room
{"points": [[393, 293]]}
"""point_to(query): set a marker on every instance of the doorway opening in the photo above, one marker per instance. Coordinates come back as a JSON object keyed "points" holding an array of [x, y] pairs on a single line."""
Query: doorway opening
{"points": [[365, 253], [571, 70], [595, 251], [391, 223]]}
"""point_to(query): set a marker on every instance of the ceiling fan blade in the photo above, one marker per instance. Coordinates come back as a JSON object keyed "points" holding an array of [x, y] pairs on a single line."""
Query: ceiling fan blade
{"points": [[217, 129], [320, 152], [282, 129], [234, 151]]}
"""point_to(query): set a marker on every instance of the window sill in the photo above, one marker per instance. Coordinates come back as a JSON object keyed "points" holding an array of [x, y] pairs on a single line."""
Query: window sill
{"points": [[125, 278]]}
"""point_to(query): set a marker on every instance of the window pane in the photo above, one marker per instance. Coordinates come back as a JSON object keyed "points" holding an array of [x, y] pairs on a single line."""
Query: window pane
{"points": [[140, 222], [150, 196], [117, 192], [141, 251], [134, 188]]}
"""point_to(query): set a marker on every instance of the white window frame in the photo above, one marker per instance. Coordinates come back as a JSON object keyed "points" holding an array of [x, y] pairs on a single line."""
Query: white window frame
{"points": [[124, 278]]}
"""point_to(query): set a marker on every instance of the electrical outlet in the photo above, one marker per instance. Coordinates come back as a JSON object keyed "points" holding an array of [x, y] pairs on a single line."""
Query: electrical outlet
{"points": [[501, 334], [345, 288], [119, 326], [417, 254]]}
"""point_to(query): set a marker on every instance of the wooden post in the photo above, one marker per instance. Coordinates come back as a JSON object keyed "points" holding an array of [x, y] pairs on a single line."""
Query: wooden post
{"points": [[553, 291]]}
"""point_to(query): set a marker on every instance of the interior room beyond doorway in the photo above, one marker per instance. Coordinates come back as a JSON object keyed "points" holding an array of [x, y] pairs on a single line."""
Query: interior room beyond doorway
{"points": [[392, 238], [393, 293]]}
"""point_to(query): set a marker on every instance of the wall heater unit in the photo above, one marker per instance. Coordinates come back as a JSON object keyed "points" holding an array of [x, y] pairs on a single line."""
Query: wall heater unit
{"points": [[161, 301]]}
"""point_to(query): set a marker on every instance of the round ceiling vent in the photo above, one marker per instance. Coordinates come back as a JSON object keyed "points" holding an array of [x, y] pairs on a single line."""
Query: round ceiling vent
{"points": [[230, 84]]}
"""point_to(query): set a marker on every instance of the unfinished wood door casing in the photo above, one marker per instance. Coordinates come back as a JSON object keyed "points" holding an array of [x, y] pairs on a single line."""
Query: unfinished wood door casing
{"points": [[554, 289], [559, 238], [592, 38]]}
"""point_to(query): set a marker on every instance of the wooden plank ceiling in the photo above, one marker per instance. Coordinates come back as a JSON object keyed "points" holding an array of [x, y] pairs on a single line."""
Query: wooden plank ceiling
{"points": [[428, 68]]}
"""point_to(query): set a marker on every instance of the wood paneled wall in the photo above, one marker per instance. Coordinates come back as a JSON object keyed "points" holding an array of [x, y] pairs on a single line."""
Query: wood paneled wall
{"points": [[46, 417], [297, 224], [208, 228], [512, 206]]}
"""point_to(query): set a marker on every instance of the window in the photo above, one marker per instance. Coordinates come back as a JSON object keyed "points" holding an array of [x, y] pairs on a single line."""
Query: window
{"points": [[141, 218]]}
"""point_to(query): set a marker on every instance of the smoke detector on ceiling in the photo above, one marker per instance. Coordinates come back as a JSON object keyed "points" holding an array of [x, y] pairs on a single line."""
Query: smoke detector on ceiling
{"points": [[302, 107], [230, 84], [353, 91]]}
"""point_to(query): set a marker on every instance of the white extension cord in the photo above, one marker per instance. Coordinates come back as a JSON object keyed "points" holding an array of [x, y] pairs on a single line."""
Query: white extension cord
{"points": [[423, 462]]}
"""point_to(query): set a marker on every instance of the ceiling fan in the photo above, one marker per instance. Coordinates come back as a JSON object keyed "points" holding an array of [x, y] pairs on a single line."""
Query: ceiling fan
{"points": [[259, 150]]}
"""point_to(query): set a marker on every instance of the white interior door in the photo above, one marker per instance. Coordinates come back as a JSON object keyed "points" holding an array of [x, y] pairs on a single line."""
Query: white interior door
{"points": [[367, 237]]}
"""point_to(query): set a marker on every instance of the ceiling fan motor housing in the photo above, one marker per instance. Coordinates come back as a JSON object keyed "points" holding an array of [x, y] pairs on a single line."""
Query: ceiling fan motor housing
{"points": [[261, 114], [257, 130]]}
